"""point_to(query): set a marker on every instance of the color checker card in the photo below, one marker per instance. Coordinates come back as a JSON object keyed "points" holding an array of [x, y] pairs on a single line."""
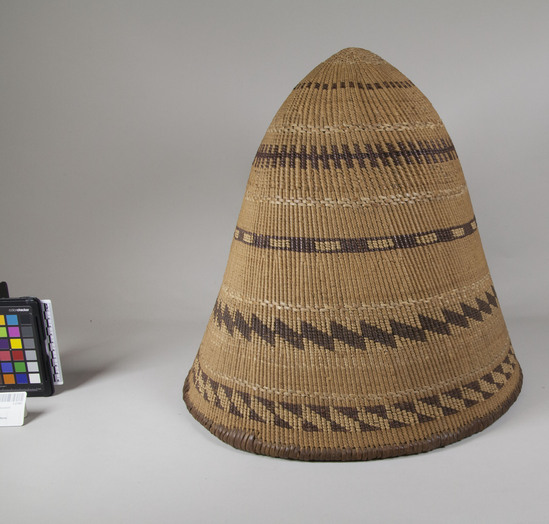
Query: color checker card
{"points": [[26, 359]]}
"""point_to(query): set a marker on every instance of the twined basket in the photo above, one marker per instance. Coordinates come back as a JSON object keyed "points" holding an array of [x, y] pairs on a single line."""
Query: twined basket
{"points": [[357, 318]]}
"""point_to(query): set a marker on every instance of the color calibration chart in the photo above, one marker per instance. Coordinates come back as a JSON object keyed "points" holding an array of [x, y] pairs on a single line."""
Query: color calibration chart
{"points": [[29, 359], [18, 357]]}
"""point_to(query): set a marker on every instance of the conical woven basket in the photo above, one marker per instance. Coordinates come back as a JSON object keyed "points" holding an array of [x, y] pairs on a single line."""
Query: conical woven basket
{"points": [[357, 318]]}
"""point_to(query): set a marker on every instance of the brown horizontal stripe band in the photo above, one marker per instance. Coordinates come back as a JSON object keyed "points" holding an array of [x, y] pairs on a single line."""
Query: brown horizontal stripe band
{"points": [[271, 332], [356, 85], [311, 417], [355, 245], [368, 155]]}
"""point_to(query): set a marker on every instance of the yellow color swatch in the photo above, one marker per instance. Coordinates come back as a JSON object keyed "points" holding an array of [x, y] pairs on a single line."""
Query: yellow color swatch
{"points": [[16, 343]]}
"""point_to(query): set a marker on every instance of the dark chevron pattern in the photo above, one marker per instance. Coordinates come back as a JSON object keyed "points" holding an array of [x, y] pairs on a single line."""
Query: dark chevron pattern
{"points": [[354, 85], [355, 156], [355, 245], [316, 417], [235, 322]]}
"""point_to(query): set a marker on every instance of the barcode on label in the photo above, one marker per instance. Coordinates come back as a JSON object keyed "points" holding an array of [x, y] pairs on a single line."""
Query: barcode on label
{"points": [[12, 398]]}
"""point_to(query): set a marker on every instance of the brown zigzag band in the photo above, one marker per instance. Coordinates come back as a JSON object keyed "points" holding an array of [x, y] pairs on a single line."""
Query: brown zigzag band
{"points": [[373, 155], [355, 245], [355, 85], [236, 322], [315, 418]]}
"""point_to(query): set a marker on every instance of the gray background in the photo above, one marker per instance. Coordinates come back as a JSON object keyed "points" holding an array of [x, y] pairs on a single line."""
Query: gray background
{"points": [[127, 131]]}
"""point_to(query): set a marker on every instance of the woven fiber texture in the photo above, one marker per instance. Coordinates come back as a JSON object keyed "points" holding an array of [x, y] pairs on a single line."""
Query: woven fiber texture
{"points": [[357, 318]]}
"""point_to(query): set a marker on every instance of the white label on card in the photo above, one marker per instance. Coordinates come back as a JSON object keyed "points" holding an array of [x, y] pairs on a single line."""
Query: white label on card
{"points": [[12, 408]]}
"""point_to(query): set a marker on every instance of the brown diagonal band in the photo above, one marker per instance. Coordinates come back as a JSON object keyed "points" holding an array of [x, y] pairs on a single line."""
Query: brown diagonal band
{"points": [[314, 417], [272, 332]]}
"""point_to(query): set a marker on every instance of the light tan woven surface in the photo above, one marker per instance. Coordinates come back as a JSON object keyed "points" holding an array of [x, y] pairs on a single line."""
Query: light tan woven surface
{"points": [[357, 318]]}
